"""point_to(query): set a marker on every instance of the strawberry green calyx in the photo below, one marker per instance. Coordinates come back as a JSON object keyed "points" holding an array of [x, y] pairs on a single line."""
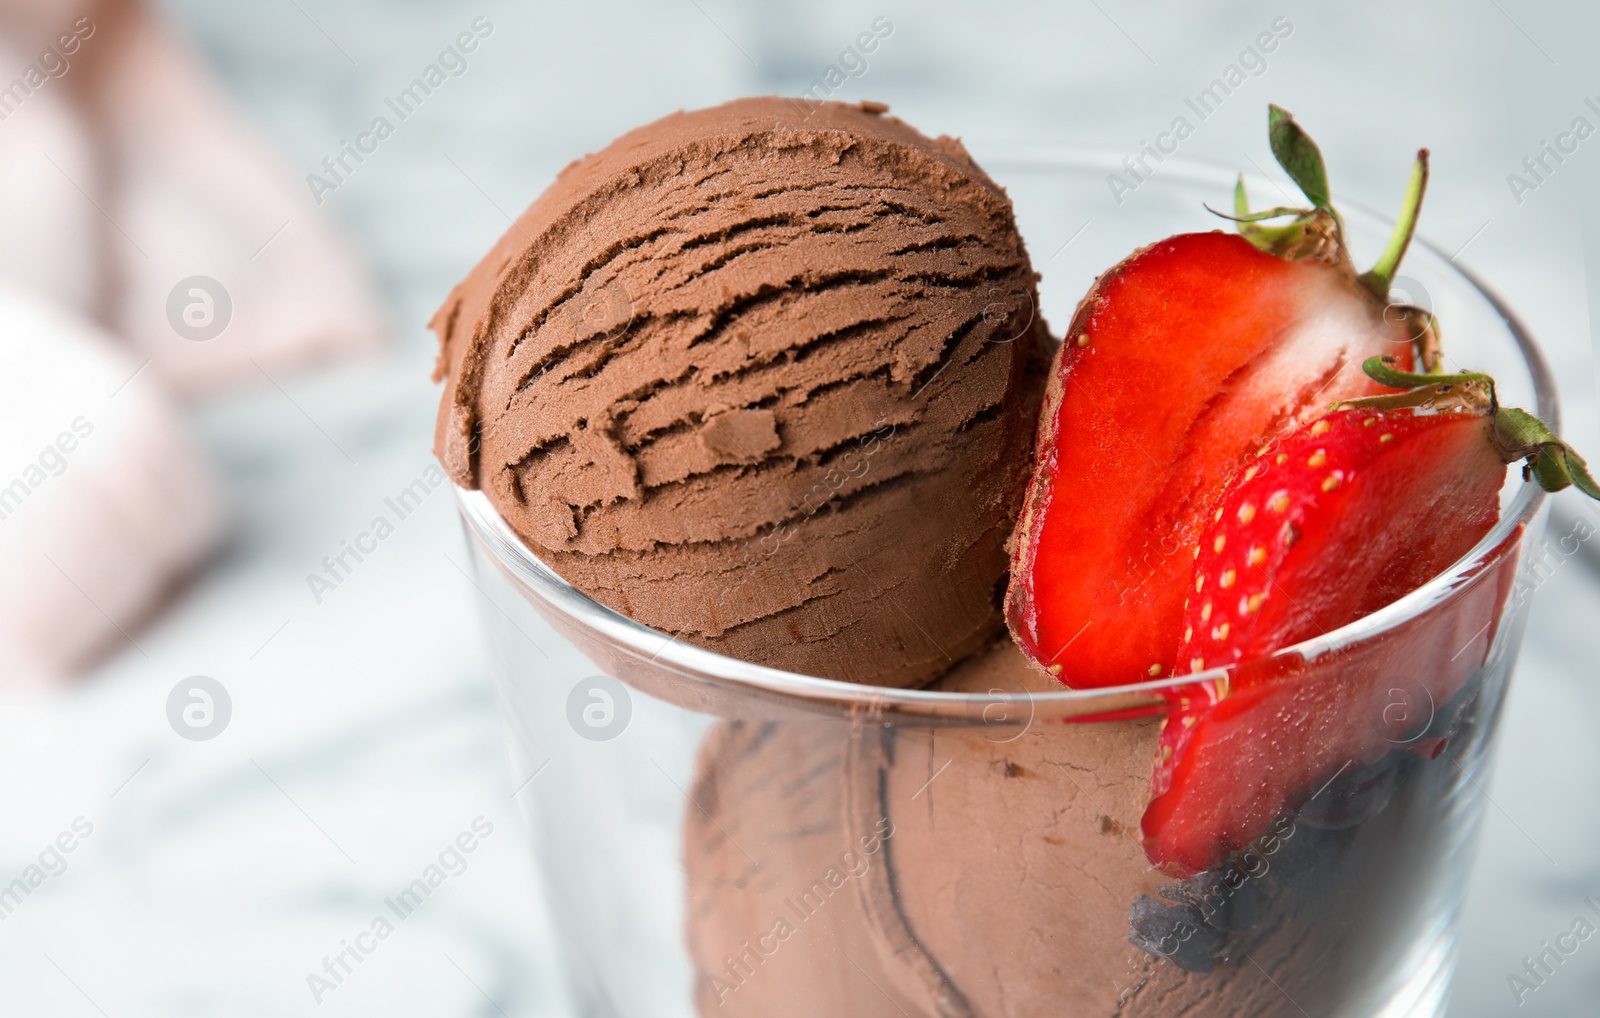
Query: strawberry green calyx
{"points": [[1516, 434], [1317, 232], [1314, 233]]}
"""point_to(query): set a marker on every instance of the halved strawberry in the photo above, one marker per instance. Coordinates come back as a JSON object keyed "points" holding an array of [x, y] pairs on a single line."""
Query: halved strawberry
{"points": [[1179, 365], [1338, 520]]}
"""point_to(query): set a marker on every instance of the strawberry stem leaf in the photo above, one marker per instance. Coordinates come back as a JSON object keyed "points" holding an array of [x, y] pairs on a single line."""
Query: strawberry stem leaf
{"points": [[1425, 339], [1471, 397], [1271, 239], [1381, 275], [1255, 217], [1378, 369], [1298, 155], [1551, 462]]}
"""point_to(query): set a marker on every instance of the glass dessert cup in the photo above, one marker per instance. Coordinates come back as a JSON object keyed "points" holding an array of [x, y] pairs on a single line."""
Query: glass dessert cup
{"points": [[717, 837]]}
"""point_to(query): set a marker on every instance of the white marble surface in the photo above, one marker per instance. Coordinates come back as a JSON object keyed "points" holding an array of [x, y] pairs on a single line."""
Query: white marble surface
{"points": [[364, 739]]}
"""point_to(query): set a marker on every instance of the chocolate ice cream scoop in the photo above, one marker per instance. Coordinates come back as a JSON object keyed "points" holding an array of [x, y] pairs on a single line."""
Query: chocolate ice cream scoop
{"points": [[764, 377]]}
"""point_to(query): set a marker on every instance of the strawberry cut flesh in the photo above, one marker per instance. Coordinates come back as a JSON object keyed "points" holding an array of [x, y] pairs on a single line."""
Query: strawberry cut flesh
{"points": [[1342, 518], [1338, 520], [1179, 365]]}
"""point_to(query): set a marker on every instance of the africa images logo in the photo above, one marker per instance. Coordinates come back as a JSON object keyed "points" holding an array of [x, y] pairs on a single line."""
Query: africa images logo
{"points": [[599, 708], [199, 708], [199, 308]]}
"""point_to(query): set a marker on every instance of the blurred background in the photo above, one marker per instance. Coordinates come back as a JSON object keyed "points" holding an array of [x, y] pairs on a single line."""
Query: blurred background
{"points": [[214, 371]]}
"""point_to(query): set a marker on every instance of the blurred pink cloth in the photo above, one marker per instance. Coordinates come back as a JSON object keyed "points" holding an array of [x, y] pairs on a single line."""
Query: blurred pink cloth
{"points": [[128, 173], [106, 499], [145, 234]]}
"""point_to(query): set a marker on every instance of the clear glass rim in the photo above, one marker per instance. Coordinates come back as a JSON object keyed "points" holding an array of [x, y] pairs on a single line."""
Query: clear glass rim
{"points": [[486, 524]]}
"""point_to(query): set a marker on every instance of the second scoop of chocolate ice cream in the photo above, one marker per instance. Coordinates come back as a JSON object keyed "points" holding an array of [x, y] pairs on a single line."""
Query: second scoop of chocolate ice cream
{"points": [[763, 377]]}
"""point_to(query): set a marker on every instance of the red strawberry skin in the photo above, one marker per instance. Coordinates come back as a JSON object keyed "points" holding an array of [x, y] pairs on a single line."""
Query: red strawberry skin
{"points": [[1180, 364], [1341, 518]]}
